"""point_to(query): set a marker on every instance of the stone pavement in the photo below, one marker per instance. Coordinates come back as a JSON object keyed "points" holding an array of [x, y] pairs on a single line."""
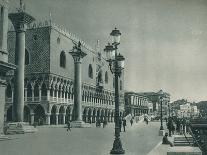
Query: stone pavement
{"points": [[160, 149], [139, 139]]}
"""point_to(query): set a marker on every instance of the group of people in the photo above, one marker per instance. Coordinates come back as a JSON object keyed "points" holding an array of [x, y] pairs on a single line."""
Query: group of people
{"points": [[178, 125], [98, 123]]}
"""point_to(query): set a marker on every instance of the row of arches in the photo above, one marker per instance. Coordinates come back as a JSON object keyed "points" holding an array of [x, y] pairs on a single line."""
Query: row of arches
{"points": [[61, 115], [43, 93]]}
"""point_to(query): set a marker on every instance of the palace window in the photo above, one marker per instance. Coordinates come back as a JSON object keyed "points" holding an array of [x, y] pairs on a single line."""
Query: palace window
{"points": [[100, 80], [106, 77], [58, 40], [90, 71], [26, 60], [62, 59]]}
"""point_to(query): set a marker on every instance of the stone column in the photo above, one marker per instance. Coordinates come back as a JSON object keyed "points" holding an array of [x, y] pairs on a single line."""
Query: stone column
{"points": [[57, 96], [64, 114], [19, 21], [40, 93], [32, 93], [48, 94], [25, 95], [48, 118], [32, 118], [12, 95], [64, 96], [77, 55], [4, 65], [60, 95]]}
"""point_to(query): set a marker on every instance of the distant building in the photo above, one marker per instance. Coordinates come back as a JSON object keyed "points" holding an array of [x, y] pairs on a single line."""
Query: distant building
{"points": [[137, 104], [188, 110], [154, 97]]}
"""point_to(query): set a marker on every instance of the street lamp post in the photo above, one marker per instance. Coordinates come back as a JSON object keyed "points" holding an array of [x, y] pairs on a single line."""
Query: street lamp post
{"points": [[116, 64], [161, 95]]}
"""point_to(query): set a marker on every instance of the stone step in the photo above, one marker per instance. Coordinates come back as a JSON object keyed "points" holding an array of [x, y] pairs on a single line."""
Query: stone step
{"points": [[183, 141], [182, 144]]}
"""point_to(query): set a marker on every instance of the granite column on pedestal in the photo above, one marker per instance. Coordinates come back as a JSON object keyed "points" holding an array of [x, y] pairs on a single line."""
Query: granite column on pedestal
{"points": [[19, 21]]}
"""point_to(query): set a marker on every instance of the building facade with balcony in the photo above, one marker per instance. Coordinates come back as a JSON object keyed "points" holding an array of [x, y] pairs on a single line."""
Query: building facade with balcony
{"points": [[137, 104], [49, 76]]}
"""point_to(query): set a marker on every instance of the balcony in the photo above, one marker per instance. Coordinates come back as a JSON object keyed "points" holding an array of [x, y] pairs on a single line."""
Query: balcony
{"points": [[99, 85]]}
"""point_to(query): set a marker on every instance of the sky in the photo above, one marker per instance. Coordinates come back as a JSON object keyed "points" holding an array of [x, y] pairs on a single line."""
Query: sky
{"points": [[163, 41]]}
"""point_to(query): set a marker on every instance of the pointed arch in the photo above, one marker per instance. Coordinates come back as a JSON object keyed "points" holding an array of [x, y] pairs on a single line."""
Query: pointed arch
{"points": [[27, 58], [90, 71], [9, 114], [100, 79], [36, 90], [39, 115], [26, 114], [44, 90], [29, 90], [62, 59]]}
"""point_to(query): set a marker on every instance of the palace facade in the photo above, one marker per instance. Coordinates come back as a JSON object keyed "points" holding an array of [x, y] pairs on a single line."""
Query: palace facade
{"points": [[49, 76]]}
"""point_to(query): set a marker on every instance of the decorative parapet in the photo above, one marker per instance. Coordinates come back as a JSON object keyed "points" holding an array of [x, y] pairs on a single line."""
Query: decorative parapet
{"points": [[61, 29]]}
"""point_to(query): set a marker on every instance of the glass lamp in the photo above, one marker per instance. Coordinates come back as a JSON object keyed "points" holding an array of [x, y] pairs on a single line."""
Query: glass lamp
{"points": [[116, 36], [110, 52], [120, 59]]}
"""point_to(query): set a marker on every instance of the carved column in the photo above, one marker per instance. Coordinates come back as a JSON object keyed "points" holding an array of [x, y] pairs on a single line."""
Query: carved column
{"points": [[19, 21]]}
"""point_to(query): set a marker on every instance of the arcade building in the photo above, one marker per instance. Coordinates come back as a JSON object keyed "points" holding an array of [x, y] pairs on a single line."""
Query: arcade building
{"points": [[49, 78]]}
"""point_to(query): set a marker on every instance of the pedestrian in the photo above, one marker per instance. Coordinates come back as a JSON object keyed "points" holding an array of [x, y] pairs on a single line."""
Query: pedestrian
{"points": [[124, 124], [120, 124], [146, 120], [104, 123], [170, 126], [166, 141], [131, 121], [68, 126]]}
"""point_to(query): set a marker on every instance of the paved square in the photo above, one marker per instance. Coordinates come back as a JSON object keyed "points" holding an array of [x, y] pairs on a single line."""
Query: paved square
{"points": [[137, 140]]}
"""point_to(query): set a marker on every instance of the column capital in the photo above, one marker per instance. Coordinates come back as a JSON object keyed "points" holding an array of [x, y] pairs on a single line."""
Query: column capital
{"points": [[20, 20], [78, 56], [77, 53], [48, 114]]}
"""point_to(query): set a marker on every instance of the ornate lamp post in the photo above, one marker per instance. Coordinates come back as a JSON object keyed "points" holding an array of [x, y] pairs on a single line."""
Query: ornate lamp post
{"points": [[161, 95], [116, 64]]}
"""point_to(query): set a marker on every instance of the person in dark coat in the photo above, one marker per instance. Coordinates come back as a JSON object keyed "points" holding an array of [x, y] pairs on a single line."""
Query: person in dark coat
{"points": [[166, 141], [120, 124], [68, 126], [124, 124], [170, 126], [131, 121]]}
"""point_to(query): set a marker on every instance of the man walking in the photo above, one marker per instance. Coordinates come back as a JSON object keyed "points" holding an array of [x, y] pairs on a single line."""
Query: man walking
{"points": [[68, 126], [124, 124], [131, 121]]}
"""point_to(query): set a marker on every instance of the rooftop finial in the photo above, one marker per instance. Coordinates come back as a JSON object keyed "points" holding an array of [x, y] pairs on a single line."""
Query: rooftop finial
{"points": [[50, 15], [22, 6]]}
